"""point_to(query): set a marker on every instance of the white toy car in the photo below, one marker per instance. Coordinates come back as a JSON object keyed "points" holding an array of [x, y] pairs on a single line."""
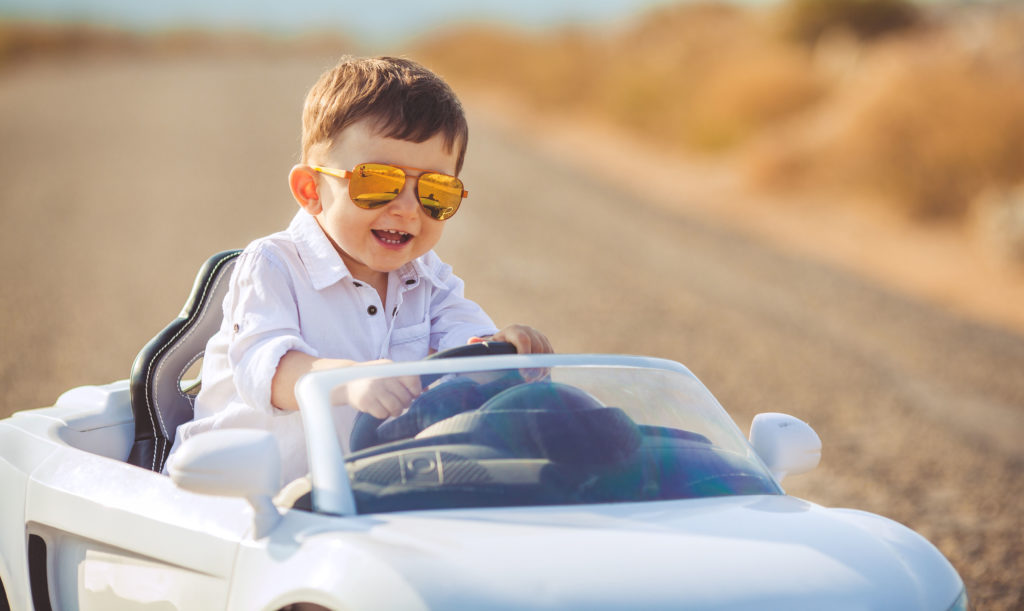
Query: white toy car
{"points": [[513, 482]]}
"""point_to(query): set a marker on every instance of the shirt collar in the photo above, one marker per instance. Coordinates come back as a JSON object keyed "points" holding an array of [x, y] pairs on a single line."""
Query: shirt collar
{"points": [[411, 272], [325, 266], [322, 262]]}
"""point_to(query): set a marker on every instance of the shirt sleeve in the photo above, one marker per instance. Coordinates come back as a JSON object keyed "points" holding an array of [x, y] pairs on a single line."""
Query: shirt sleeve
{"points": [[261, 305], [454, 318]]}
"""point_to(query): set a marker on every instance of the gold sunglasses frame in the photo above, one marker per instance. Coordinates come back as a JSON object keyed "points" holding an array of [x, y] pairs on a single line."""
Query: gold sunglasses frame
{"points": [[347, 174]]}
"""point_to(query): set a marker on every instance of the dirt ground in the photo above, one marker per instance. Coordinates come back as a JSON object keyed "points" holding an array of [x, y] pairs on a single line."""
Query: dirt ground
{"points": [[119, 175]]}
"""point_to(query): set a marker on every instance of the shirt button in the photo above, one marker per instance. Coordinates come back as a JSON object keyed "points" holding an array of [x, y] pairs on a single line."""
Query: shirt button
{"points": [[371, 310]]}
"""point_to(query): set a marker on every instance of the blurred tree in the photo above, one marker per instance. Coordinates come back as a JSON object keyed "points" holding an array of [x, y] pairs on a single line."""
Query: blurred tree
{"points": [[808, 20]]}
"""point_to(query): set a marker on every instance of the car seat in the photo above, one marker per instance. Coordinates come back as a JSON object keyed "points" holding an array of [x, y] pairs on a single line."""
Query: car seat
{"points": [[159, 402]]}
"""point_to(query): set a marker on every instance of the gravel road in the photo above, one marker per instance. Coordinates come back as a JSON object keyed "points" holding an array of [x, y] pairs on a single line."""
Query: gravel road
{"points": [[119, 176]]}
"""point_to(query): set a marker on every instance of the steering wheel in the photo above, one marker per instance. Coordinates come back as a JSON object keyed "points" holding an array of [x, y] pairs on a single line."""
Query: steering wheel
{"points": [[434, 405], [550, 420]]}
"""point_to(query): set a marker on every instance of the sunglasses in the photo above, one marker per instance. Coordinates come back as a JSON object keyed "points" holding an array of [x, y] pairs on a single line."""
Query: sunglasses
{"points": [[372, 185]]}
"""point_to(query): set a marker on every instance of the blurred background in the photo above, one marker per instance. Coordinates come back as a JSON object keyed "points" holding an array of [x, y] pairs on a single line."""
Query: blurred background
{"points": [[817, 205]]}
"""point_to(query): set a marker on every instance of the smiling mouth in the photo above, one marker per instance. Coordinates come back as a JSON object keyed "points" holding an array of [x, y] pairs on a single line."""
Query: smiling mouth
{"points": [[391, 236]]}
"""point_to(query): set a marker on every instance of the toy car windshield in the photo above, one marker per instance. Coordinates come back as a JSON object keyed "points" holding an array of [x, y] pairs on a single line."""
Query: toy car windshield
{"points": [[555, 435]]}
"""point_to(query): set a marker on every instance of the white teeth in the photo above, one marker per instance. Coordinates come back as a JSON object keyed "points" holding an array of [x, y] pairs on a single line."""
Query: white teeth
{"points": [[385, 236]]}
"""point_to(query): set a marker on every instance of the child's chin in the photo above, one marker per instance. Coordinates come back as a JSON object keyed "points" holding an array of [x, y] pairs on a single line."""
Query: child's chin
{"points": [[389, 264]]}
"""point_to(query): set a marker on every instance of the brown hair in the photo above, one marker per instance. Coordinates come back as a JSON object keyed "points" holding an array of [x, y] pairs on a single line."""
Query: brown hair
{"points": [[406, 100]]}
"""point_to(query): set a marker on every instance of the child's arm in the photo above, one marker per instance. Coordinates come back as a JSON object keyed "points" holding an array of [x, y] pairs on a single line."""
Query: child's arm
{"points": [[381, 398]]}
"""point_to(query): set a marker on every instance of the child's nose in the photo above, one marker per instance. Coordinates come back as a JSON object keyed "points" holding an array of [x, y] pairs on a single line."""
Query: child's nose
{"points": [[406, 202]]}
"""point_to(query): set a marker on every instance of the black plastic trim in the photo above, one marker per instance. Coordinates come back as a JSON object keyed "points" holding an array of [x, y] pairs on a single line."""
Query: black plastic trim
{"points": [[38, 574], [154, 435], [5, 605]]}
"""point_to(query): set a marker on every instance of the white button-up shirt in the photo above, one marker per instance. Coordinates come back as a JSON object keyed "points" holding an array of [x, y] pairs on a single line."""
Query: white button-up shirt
{"points": [[292, 291]]}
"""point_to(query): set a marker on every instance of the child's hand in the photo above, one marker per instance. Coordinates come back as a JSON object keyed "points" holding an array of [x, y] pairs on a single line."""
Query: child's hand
{"points": [[527, 340], [383, 397]]}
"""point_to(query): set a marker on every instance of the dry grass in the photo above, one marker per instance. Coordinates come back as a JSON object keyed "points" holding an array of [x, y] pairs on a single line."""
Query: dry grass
{"points": [[945, 130], [926, 123], [669, 76], [920, 110]]}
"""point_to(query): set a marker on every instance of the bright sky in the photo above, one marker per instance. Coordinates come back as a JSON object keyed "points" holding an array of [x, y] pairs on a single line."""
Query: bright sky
{"points": [[382, 22], [386, 21]]}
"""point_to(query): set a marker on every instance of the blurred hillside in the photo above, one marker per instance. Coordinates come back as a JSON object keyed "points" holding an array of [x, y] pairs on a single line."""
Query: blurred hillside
{"points": [[22, 41], [915, 111], [918, 110]]}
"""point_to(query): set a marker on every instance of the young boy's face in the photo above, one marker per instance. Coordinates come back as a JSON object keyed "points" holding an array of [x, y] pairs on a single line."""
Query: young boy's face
{"points": [[378, 241]]}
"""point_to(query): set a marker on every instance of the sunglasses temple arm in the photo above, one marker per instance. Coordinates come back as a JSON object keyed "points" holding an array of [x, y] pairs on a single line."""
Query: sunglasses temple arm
{"points": [[333, 172]]}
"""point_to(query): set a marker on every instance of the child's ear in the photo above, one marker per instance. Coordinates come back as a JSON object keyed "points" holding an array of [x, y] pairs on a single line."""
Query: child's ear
{"points": [[303, 182]]}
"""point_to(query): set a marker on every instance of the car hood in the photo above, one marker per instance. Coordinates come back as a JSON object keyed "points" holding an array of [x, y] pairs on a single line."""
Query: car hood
{"points": [[720, 553]]}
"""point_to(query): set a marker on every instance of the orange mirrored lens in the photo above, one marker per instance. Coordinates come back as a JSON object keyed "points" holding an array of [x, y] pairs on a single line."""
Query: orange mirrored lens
{"points": [[372, 185], [439, 194]]}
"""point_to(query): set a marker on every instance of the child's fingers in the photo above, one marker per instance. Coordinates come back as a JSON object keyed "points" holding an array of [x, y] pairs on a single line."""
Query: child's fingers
{"points": [[411, 386], [526, 339], [541, 344], [386, 398], [375, 409], [379, 403], [513, 335], [398, 393], [386, 404]]}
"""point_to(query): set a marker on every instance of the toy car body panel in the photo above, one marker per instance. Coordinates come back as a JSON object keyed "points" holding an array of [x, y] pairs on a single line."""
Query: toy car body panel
{"points": [[538, 481]]}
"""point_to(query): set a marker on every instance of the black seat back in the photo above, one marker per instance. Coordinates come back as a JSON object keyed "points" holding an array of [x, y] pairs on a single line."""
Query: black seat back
{"points": [[159, 402]]}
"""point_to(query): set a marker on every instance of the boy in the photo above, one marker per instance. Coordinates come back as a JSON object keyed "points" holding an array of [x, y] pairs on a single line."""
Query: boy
{"points": [[353, 279]]}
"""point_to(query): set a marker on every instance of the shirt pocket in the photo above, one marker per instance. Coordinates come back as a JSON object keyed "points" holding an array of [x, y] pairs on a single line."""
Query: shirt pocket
{"points": [[410, 343]]}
